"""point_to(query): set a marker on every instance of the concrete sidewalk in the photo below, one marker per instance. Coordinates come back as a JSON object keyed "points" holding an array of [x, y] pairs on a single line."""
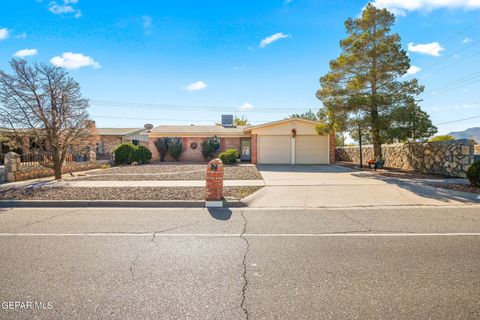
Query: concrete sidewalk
{"points": [[153, 183]]}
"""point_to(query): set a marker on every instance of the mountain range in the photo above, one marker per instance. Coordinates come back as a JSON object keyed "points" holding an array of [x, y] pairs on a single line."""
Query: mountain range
{"points": [[470, 133]]}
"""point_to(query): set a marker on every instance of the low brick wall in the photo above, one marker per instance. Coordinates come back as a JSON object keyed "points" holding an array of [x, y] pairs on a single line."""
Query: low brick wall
{"points": [[34, 172], [447, 158]]}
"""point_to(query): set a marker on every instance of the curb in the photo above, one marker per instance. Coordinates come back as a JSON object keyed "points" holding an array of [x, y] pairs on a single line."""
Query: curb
{"points": [[112, 204]]}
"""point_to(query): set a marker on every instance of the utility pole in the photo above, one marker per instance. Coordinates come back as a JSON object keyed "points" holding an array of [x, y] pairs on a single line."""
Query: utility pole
{"points": [[360, 143]]}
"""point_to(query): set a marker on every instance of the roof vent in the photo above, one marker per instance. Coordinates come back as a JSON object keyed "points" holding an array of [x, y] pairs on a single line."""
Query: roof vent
{"points": [[227, 120], [148, 126]]}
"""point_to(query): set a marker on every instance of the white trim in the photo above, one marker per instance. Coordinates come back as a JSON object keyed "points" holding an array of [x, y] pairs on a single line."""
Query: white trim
{"points": [[214, 204]]}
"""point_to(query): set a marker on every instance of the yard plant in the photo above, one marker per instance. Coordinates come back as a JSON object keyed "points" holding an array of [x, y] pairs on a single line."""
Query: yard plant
{"points": [[142, 155], [176, 149], [162, 147], [473, 174], [229, 156], [128, 153], [43, 103], [209, 147]]}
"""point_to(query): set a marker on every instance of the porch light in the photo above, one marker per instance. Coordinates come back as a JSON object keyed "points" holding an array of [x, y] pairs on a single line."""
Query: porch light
{"points": [[294, 133]]}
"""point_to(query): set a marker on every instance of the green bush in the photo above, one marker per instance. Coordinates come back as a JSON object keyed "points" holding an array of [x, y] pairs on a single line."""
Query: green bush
{"points": [[162, 147], [125, 153], [473, 174], [209, 147], [229, 156], [175, 149], [143, 155]]}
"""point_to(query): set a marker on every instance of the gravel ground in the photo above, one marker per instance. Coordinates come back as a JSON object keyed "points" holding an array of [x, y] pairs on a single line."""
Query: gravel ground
{"points": [[457, 187], [168, 172], [131, 193]]}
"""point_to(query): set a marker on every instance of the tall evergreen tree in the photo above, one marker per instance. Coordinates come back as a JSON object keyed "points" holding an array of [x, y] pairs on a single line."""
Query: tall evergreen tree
{"points": [[365, 81]]}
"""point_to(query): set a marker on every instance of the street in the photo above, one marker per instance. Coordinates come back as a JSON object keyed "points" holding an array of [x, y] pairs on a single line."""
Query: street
{"points": [[376, 263]]}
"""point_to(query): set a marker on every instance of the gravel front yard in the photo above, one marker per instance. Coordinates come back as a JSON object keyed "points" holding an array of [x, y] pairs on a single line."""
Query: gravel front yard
{"points": [[169, 172], [131, 193]]}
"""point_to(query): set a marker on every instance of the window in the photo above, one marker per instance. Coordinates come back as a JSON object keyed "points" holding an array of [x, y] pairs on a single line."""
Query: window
{"points": [[135, 142]]}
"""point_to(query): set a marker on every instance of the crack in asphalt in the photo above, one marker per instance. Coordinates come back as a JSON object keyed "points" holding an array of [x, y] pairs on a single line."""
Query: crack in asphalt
{"points": [[357, 222], [154, 234], [132, 265], [46, 219], [244, 262]]}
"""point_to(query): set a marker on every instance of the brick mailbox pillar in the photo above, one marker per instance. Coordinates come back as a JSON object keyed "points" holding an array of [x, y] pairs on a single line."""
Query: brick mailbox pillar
{"points": [[214, 186]]}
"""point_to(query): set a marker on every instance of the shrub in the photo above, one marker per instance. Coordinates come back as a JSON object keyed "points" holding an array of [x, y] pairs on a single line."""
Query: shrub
{"points": [[473, 174], [162, 147], [175, 149], [209, 147], [229, 156], [143, 155], [125, 153], [440, 138]]}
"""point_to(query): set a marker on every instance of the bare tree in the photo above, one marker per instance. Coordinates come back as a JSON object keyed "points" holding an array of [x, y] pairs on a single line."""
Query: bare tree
{"points": [[44, 103]]}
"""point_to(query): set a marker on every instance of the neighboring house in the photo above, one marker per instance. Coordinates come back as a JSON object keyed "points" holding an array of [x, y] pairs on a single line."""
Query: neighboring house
{"points": [[290, 141], [109, 138]]}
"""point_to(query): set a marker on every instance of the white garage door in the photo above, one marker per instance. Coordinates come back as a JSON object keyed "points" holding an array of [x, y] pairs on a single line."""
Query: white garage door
{"points": [[311, 150], [274, 149]]}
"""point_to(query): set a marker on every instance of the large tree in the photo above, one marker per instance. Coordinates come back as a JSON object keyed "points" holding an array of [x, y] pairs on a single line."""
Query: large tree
{"points": [[44, 103], [367, 80]]}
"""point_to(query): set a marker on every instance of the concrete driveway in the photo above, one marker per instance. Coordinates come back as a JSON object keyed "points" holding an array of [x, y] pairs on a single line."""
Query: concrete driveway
{"points": [[335, 186]]}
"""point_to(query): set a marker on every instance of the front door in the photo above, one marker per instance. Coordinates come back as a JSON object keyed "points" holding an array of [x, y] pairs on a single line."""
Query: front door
{"points": [[245, 147]]}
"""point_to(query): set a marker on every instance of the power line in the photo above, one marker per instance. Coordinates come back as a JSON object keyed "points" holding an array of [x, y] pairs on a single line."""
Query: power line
{"points": [[453, 36], [451, 55], [458, 120], [164, 106], [164, 119]]}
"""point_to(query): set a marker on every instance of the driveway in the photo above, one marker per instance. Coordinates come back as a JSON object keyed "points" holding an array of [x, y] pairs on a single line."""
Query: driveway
{"points": [[335, 186]]}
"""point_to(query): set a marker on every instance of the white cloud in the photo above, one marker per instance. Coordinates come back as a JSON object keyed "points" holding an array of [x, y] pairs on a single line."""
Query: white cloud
{"points": [[196, 86], [70, 60], [147, 23], [274, 37], [412, 70], [467, 40], [65, 7], [401, 7], [21, 36], [432, 49], [246, 106], [4, 33], [26, 53]]}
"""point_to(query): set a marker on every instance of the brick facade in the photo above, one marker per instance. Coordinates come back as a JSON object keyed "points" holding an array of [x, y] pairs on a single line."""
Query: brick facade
{"points": [[192, 148], [332, 145], [253, 150], [214, 181]]}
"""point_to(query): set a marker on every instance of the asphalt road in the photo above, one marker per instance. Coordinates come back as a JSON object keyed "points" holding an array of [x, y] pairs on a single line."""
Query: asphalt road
{"points": [[376, 263]]}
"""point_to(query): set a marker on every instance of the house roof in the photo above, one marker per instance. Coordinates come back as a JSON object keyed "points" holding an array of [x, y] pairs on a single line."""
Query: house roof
{"points": [[201, 130], [249, 128], [117, 131]]}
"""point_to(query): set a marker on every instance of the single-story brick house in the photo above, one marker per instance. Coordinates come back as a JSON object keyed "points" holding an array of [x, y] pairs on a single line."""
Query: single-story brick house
{"points": [[289, 141], [109, 138]]}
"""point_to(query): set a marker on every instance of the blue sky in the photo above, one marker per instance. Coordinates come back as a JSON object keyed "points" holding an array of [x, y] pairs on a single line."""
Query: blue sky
{"points": [[190, 61]]}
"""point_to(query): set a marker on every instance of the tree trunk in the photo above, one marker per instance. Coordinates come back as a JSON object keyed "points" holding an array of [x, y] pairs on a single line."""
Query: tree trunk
{"points": [[57, 168], [57, 164]]}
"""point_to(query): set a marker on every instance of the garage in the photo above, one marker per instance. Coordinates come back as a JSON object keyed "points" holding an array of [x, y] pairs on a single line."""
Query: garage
{"points": [[274, 149], [290, 141], [311, 150]]}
